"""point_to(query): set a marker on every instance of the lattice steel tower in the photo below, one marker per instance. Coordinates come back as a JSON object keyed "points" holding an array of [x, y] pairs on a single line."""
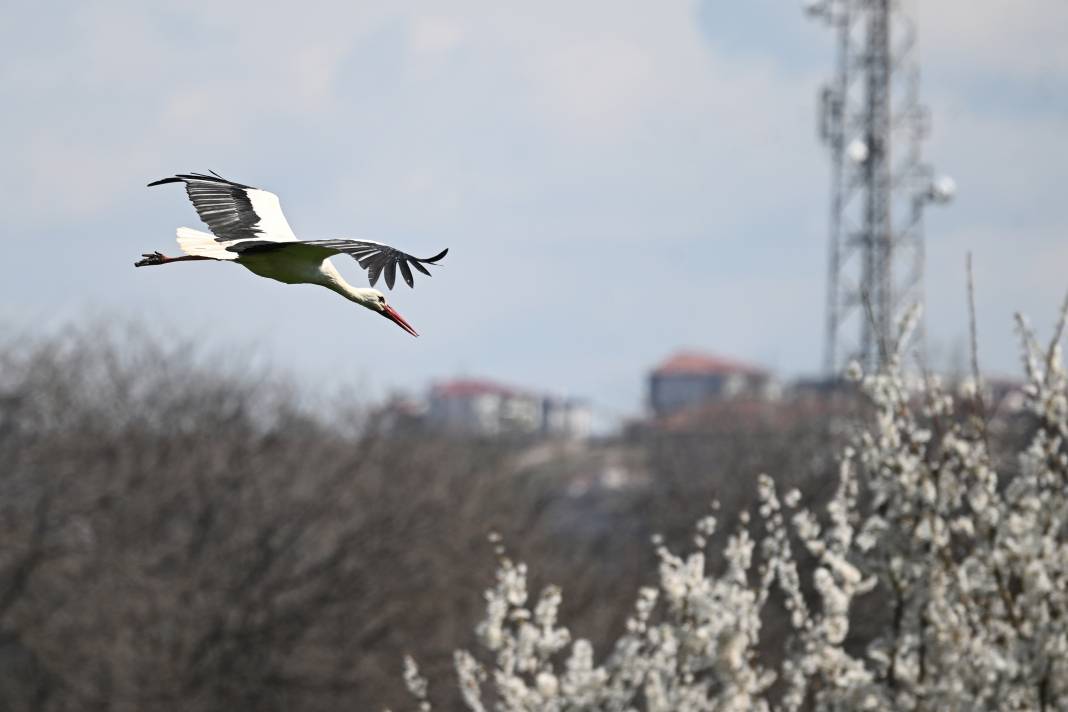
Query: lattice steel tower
{"points": [[873, 123]]}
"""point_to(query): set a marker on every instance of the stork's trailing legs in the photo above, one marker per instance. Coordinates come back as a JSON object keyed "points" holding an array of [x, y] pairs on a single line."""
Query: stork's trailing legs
{"points": [[158, 258]]}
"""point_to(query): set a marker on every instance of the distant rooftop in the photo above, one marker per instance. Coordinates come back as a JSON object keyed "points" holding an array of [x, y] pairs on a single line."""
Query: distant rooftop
{"points": [[695, 363], [471, 387]]}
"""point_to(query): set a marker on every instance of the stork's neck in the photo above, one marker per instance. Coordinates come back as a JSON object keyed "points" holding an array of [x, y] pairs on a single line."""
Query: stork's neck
{"points": [[332, 279]]}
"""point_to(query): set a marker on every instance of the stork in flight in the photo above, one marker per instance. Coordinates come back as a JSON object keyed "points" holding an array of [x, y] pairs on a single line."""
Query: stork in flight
{"points": [[249, 228]]}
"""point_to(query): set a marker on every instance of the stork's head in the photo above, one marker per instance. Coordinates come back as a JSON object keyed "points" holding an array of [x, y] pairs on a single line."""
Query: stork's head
{"points": [[377, 302]]}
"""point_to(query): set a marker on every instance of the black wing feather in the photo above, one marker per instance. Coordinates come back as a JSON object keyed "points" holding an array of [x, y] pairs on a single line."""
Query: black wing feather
{"points": [[406, 272], [374, 269], [222, 204], [391, 273]]}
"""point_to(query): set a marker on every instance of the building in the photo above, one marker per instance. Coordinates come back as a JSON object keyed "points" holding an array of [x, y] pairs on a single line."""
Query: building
{"points": [[485, 408], [689, 379], [566, 418]]}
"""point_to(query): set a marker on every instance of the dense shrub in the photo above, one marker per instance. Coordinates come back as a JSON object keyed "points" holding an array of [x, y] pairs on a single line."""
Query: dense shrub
{"points": [[178, 531]]}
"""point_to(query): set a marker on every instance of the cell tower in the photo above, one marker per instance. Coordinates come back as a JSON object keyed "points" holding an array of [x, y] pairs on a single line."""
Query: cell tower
{"points": [[873, 123]]}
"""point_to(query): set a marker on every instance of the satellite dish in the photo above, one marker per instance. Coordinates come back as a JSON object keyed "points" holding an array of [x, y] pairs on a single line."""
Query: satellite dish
{"points": [[943, 189], [857, 151]]}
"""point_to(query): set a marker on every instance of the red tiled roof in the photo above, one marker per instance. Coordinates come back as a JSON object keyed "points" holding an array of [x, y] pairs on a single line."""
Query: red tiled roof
{"points": [[691, 362], [469, 388]]}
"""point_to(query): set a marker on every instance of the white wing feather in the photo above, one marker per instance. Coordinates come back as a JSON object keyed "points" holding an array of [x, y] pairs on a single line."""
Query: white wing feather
{"points": [[273, 224]]}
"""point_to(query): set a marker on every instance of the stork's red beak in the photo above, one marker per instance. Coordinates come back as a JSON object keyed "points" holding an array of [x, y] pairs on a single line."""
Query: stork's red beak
{"points": [[392, 314]]}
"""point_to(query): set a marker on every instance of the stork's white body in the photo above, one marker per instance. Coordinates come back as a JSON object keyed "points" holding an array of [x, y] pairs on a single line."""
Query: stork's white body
{"points": [[293, 266], [289, 270]]}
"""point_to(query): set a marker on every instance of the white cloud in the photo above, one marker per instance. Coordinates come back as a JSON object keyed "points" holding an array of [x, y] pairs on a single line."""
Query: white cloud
{"points": [[435, 35], [1014, 39], [596, 87]]}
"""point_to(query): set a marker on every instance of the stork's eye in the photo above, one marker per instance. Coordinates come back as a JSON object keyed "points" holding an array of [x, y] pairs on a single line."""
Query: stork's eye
{"points": [[381, 299]]}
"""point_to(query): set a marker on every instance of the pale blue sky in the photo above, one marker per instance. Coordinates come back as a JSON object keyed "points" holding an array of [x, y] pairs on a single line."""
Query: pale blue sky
{"points": [[614, 179]]}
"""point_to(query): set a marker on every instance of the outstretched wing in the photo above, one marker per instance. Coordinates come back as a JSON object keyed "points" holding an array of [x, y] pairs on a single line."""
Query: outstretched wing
{"points": [[234, 211], [376, 258], [380, 259]]}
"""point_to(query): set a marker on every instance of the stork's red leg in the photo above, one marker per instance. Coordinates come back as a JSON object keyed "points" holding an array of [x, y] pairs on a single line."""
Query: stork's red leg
{"points": [[158, 258]]}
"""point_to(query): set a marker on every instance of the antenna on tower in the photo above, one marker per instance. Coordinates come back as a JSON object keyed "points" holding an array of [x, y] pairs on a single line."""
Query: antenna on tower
{"points": [[873, 123]]}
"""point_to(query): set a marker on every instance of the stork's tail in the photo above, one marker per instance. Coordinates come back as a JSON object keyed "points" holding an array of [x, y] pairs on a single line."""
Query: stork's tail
{"points": [[201, 244]]}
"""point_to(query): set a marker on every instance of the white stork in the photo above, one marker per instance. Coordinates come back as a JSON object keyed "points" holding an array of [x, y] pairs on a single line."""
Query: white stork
{"points": [[250, 229]]}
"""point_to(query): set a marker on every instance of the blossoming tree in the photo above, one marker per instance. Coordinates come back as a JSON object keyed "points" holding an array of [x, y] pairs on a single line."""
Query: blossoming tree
{"points": [[972, 565]]}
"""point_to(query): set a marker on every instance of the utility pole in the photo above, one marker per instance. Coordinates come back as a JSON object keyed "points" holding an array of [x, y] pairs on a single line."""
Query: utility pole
{"points": [[873, 124]]}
